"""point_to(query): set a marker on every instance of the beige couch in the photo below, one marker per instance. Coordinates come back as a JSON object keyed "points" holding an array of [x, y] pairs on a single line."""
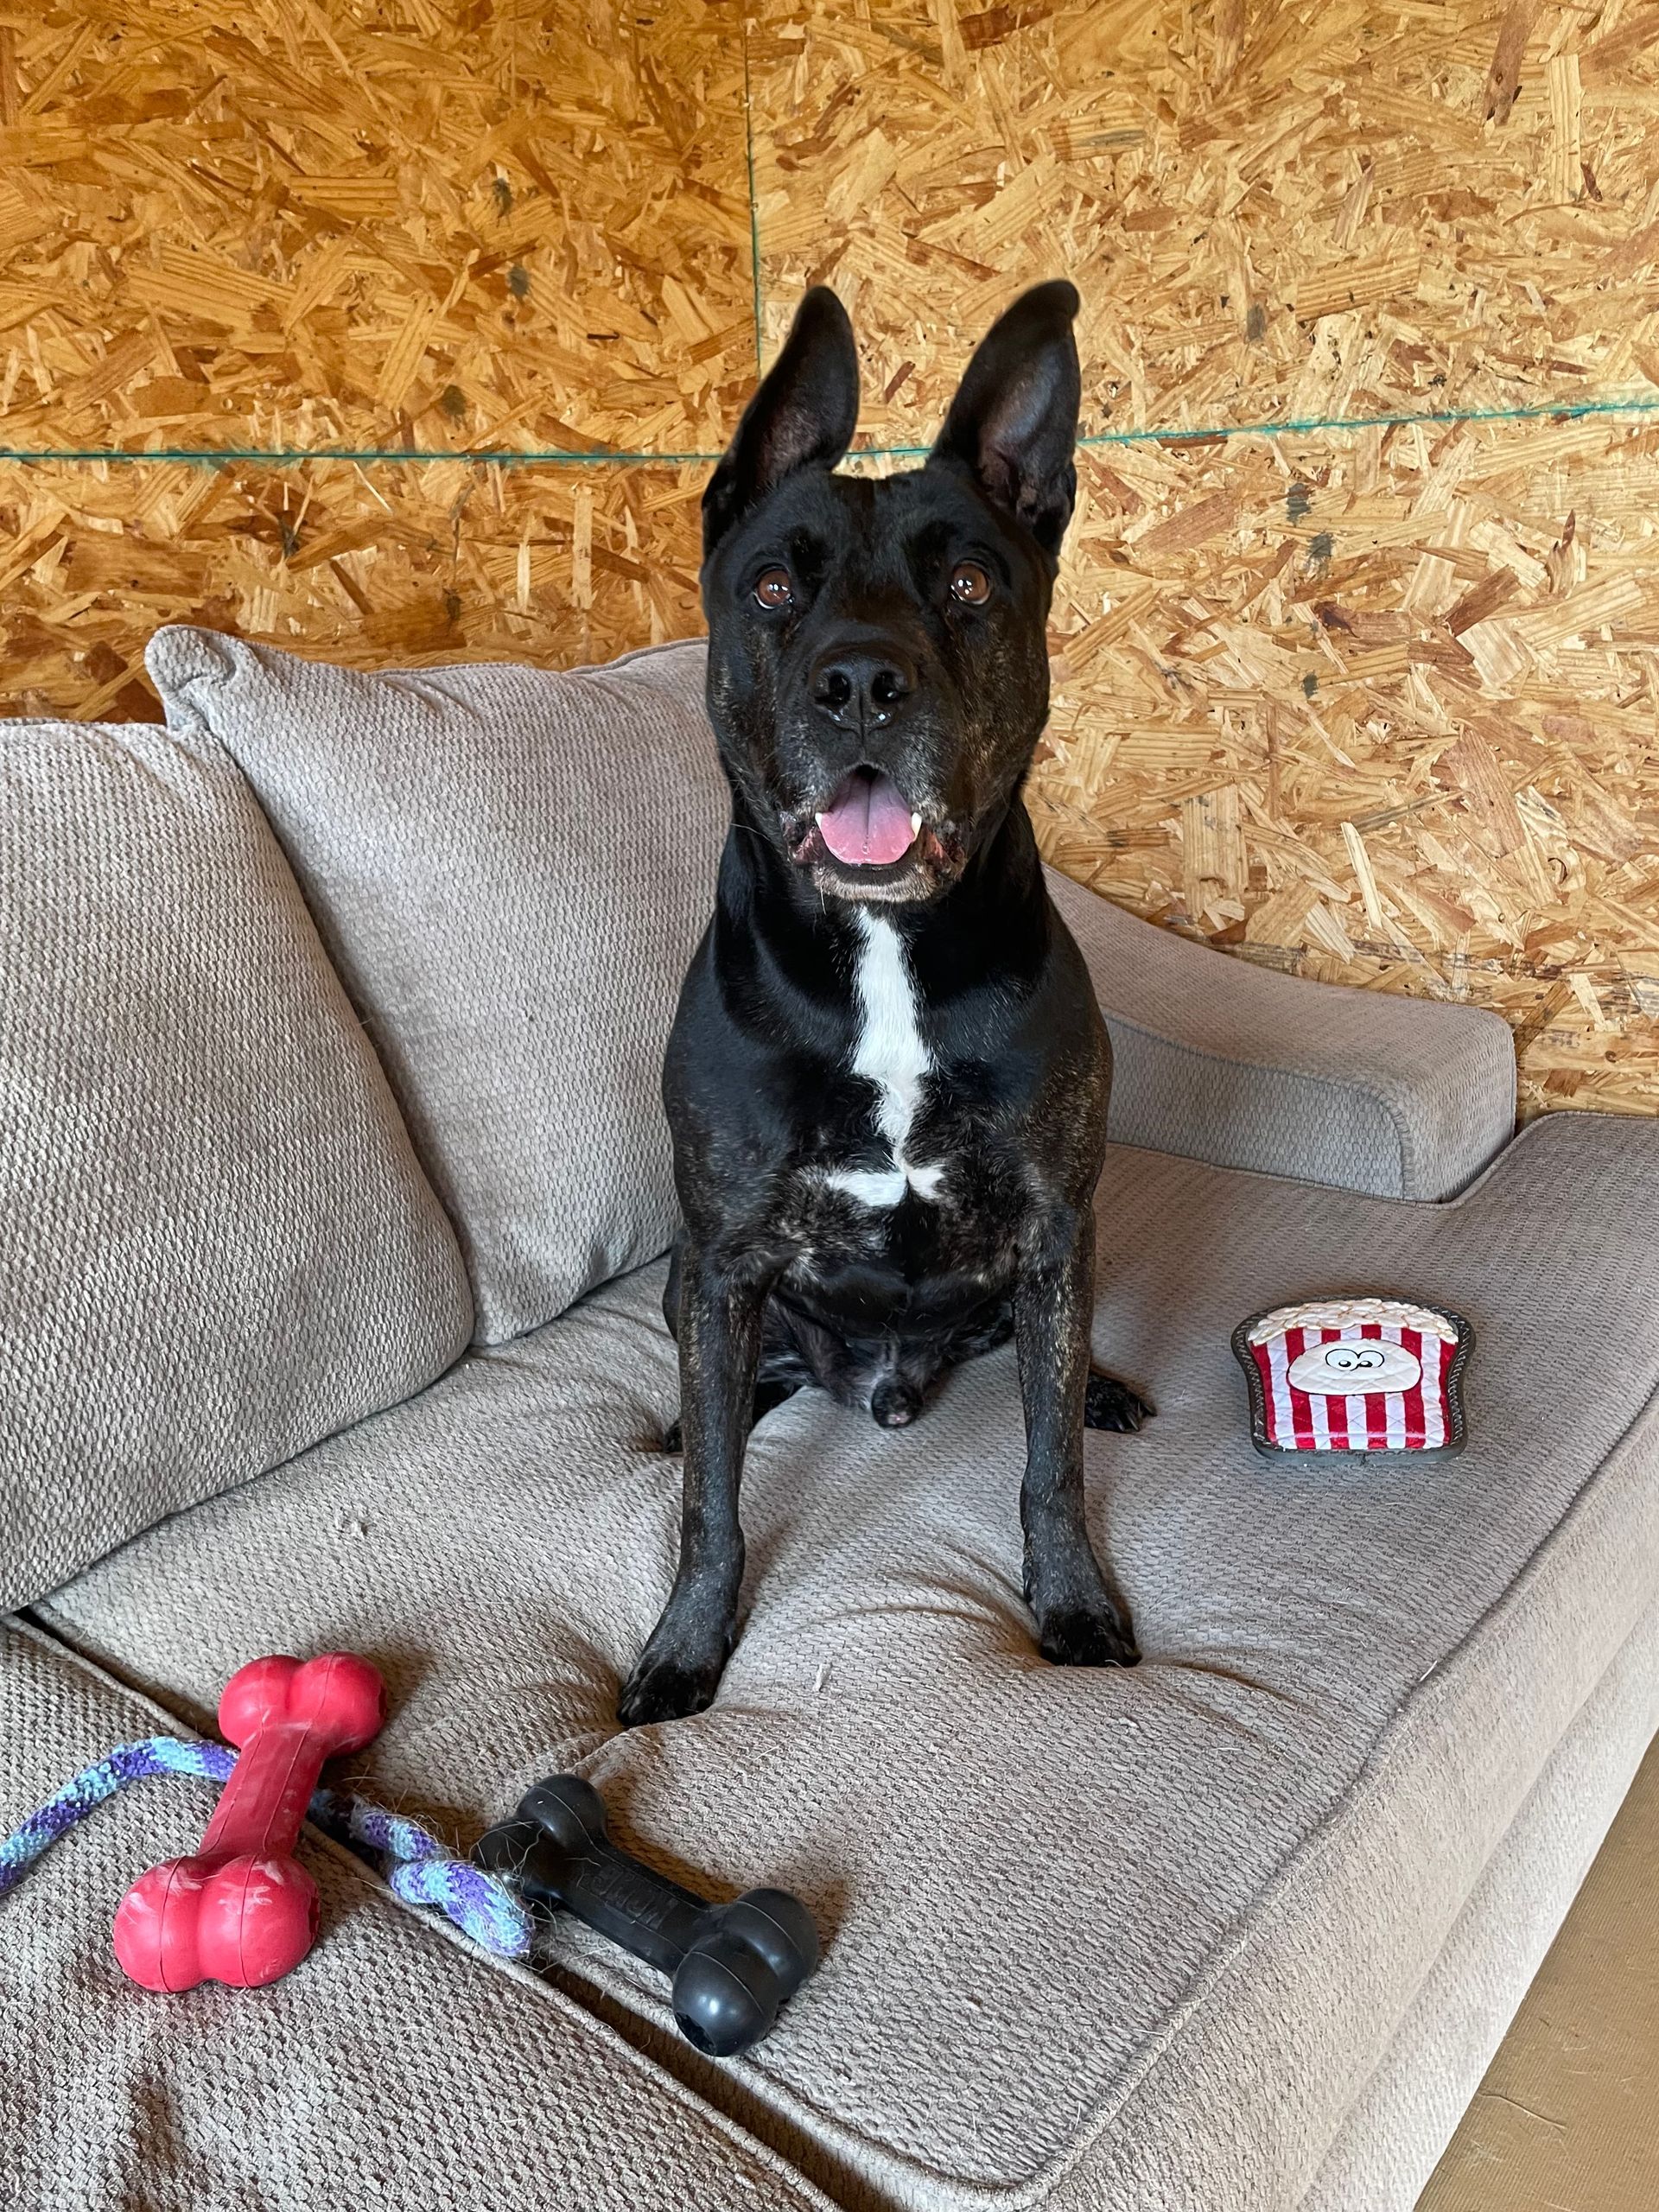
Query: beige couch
{"points": [[333, 1196]]}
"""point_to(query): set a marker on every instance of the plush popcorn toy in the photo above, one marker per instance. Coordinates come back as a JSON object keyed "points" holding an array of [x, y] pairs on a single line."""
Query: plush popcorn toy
{"points": [[1355, 1375]]}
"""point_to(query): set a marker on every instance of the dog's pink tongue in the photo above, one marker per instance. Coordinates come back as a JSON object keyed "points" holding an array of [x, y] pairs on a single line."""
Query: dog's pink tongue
{"points": [[868, 826]]}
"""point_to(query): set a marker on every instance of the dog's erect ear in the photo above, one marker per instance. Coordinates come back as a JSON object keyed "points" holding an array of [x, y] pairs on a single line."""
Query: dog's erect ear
{"points": [[1014, 420], [803, 416]]}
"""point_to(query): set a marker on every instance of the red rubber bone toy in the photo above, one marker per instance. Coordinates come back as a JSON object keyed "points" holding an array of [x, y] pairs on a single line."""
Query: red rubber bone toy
{"points": [[244, 1910]]}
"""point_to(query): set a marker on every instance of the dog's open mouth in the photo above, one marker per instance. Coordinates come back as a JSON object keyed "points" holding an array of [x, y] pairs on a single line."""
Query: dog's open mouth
{"points": [[868, 842], [869, 822]]}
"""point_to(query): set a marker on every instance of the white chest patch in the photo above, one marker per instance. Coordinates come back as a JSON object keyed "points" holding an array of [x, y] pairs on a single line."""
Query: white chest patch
{"points": [[891, 1055]]}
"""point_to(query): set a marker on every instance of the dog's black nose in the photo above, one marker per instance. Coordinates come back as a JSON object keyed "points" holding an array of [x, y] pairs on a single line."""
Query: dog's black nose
{"points": [[862, 687], [895, 1403]]}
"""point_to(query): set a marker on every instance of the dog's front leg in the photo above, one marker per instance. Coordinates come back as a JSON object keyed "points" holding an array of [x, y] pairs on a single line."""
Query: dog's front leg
{"points": [[1078, 1624], [719, 1330]]}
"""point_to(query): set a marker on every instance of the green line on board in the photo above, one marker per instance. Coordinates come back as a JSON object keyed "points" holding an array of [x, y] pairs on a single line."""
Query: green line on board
{"points": [[1305, 426], [1570, 410], [754, 206], [284, 456], [1564, 410]]}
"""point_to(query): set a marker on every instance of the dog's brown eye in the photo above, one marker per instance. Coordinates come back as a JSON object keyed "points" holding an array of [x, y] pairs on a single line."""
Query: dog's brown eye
{"points": [[774, 589], [969, 583]]}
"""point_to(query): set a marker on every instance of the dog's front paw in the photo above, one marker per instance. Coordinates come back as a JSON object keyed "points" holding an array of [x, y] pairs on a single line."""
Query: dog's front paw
{"points": [[1094, 1634], [667, 1689], [1108, 1403]]}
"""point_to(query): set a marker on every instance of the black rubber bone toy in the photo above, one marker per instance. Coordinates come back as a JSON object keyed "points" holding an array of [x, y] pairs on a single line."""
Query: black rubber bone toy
{"points": [[733, 1965]]}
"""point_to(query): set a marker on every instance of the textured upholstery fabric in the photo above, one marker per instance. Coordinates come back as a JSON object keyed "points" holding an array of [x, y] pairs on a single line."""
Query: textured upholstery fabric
{"points": [[1130, 1940], [395, 2068], [1393, 2137], [511, 869], [1235, 1065], [216, 1244]]}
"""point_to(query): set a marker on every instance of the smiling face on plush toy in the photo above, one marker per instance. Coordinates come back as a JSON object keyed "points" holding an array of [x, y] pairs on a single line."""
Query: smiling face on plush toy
{"points": [[1348, 1368], [1356, 1375]]}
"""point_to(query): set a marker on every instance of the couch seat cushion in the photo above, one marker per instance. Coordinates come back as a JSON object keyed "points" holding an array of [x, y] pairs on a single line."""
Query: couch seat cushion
{"points": [[1114, 1939], [216, 1244], [511, 868]]}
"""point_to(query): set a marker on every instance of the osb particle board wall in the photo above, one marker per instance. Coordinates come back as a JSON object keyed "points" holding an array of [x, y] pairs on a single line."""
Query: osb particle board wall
{"points": [[1369, 694]]}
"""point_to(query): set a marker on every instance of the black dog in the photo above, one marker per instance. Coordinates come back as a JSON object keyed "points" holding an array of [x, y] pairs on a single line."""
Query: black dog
{"points": [[887, 1080]]}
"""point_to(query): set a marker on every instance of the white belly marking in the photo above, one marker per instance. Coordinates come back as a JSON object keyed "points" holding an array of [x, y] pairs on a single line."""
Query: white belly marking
{"points": [[891, 1055]]}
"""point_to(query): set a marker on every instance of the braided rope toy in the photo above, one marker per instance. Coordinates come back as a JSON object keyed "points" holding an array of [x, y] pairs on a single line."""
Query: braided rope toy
{"points": [[422, 1873]]}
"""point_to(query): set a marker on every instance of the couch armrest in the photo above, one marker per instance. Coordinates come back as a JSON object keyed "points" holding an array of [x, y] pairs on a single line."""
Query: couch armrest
{"points": [[1234, 1065]]}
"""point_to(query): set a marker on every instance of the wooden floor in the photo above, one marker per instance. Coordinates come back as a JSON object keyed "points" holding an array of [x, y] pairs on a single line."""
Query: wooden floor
{"points": [[1357, 642], [1567, 2117]]}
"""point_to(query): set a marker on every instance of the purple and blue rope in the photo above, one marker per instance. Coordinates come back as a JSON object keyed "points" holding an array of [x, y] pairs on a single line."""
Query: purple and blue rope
{"points": [[97, 1784], [423, 1871]]}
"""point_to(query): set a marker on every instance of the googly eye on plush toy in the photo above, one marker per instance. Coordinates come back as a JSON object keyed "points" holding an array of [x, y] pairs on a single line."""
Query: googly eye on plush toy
{"points": [[1338, 1369]]}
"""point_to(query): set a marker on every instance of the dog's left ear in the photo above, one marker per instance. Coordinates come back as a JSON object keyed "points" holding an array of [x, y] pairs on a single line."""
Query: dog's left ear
{"points": [[803, 414], [1013, 421]]}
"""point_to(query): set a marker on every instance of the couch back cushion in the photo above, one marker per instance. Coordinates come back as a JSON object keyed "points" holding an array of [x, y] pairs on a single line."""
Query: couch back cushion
{"points": [[216, 1244], [511, 868]]}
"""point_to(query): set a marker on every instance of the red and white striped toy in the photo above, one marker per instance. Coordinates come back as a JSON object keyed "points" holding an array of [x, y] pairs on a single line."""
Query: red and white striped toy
{"points": [[1355, 1375]]}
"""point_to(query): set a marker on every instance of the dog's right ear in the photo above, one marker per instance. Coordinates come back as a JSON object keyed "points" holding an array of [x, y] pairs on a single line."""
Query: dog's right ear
{"points": [[803, 416]]}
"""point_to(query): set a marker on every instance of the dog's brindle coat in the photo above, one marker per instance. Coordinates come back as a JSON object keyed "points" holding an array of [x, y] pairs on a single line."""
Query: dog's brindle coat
{"points": [[887, 1083]]}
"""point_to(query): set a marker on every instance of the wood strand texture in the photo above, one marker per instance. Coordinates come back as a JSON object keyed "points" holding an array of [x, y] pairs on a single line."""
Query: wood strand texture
{"points": [[1355, 644]]}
